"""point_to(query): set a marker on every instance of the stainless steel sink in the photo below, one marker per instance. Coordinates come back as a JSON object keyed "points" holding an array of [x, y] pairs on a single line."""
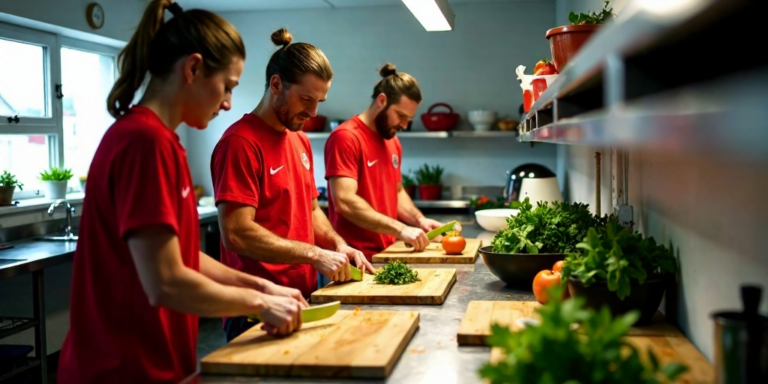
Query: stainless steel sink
{"points": [[68, 234], [61, 237]]}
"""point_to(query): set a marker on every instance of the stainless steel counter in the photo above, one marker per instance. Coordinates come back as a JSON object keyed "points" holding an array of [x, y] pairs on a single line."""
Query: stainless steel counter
{"points": [[432, 356], [455, 204]]}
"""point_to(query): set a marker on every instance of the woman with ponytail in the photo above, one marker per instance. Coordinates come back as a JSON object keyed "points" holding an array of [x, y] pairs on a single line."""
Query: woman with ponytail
{"points": [[140, 281]]}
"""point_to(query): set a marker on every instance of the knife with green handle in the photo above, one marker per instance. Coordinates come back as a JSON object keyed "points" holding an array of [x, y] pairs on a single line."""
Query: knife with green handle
{"points": [[356, 273], [316, 313], [440, 230]]}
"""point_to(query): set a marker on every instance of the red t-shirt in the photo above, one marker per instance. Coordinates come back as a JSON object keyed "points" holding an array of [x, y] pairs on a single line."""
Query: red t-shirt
{"points": [[256, 165], [354, 150], [138, 177]]}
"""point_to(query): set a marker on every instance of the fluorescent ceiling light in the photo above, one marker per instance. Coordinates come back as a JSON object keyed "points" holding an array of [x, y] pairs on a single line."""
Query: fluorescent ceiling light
{"points": [[434, 15]]}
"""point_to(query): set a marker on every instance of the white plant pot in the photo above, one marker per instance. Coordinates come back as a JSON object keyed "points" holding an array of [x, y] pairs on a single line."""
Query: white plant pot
{"points": [[55, 189]]}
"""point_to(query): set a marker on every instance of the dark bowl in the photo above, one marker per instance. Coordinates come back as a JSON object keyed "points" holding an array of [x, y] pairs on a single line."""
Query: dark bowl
{"points": [[518, 269], [645, 297]]}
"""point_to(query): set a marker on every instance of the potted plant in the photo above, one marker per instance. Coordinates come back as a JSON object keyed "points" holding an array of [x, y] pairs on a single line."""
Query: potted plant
{"points": [[622, 270], [535, 239], [409, 184], [565, 41], [55, 182], [550, 352], [8, 184], [430, 180]]}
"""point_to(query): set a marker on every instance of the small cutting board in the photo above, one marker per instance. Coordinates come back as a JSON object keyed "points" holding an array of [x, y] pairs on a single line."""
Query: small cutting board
{"points": [[434, 254], [476, 324], [352, 344], [432, 289]]}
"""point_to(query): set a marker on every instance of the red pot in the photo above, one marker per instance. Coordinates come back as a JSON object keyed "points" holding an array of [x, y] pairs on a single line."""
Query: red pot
{"points": [[314, 124], [430, 192], [565, 41], [441, 121], [411, 191]]}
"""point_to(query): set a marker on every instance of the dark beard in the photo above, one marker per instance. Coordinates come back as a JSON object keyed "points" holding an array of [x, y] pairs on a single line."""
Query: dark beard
{"points": [[385, 131], [280, 106]]}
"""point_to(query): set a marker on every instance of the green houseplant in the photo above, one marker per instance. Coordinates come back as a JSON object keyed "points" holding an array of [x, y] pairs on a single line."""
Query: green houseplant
{"points": [[566, 40], [55, 182], [552, 353], [430, 181], [8, 184], [622, 270], [409, 184]]}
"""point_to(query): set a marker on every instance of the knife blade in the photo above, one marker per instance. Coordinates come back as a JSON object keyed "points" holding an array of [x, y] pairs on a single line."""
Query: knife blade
{"points": [[440, 230], [316, 313], [357, 274]]}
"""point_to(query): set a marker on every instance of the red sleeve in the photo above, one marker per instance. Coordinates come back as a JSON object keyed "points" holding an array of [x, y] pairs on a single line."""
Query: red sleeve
{"points": [[342, 155], [314, 193], [400, 158], [144, 179], [235, 169]]}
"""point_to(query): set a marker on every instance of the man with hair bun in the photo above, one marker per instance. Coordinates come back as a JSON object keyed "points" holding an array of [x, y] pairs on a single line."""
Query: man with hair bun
{"points": [[264, 186], [367, 203]]}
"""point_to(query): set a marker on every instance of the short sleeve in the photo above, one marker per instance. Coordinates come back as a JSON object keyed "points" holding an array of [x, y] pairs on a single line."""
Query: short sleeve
{"points": [[400, 158], [144, 180], [235, 169], [342, 155]]}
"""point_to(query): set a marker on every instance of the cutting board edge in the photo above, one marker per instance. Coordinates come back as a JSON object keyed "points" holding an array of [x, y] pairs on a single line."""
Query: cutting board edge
{"points": [[471, 340]]}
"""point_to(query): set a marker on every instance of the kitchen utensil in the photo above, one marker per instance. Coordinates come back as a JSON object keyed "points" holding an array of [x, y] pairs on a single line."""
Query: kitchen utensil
{"points": [[449, 227], [357, 274], [439, 121], [540, 189], [482, 120], [353, 344], [434, 254], [316, 313], [431, 290], [314, 124], [515, 177], [518, 269], [741, 342], [493, 220]]}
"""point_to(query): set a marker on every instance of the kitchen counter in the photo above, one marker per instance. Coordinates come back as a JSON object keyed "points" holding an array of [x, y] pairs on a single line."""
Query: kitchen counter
{"points": [[433, 355], [455, 204]]}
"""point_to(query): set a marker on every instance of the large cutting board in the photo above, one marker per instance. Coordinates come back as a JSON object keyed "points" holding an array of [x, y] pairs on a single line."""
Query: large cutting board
{"points": [[356, 344], [432, 289], [476, 324], [434, 254]]}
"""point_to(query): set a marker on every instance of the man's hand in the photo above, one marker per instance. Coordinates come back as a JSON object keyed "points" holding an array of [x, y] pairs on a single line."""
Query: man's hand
{"points": [[333, 265], [427, 225], [414, 237], [281, 315], [356, 257], [278, 290]]}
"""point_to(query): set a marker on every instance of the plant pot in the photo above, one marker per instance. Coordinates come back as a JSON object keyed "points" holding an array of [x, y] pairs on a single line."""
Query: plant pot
{"points": [[55, 189], [518, 269], [430, 192], [565, 41], [411, 191], [644, 297], [6, 195]]}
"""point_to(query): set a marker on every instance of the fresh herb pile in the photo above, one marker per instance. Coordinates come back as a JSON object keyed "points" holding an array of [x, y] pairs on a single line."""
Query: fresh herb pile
{"points": [[56, 174], [9, 180], [592, 17], [551, 352], [396, 273], [546, 229], [614, 255], [429, 175]]}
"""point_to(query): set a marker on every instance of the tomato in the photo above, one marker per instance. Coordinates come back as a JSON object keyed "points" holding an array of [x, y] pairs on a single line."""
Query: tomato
{"points": [[454, 245], [558, 267], [543, 281], [548, 69], [539, 65]]}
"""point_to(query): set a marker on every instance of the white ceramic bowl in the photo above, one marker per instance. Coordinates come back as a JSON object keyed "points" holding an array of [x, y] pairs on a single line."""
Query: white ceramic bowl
{"points": [[482, 120], [494, 219]]}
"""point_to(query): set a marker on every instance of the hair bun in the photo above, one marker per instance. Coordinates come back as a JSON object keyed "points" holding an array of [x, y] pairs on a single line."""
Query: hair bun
{"points": [[387, 70], [281, 37]]}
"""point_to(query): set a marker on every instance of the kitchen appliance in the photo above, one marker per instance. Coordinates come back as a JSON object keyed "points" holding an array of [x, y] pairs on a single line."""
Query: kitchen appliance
{"points": [[741, 342], [439, 121], [314, 124], [482, 120], [540, 189], [536, 191]]}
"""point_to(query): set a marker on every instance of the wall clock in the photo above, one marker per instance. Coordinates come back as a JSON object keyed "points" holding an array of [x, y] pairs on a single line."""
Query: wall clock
{"points": [[95, 15]]}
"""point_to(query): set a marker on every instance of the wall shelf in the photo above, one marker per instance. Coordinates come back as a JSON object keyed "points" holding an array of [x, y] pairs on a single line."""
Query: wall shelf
{"points": [[433, 135]]}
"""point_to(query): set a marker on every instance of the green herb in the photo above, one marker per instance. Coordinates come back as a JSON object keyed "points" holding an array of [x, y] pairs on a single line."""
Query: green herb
{"points": [[408, 180], [546, 229], [617, 257], [427, 175], [9, 180], [56, 174], [592, 17], [552, 353], [396, 273]]}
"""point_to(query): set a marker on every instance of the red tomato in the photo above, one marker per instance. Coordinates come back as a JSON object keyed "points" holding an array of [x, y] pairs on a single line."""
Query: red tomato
{"points": [[558, 267], [548, 69], [543, 281], [454, 245]]}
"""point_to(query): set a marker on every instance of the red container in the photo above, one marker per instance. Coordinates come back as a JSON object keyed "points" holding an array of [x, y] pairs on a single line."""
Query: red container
{"points": [[527, 100], [565, 41], [430, 192], [539, 86], [314, 124], [441, 121]]}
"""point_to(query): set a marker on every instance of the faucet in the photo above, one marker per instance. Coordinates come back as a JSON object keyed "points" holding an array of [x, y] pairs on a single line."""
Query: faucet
{"points": [[70, 211]]}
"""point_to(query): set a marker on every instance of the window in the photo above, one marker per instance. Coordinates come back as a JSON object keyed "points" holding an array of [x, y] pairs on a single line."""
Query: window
{"points": [[22, 79], [25, 156]]}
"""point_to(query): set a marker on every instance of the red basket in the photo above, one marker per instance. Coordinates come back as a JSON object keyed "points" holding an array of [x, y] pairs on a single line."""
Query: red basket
{"points": [[441, 121]]}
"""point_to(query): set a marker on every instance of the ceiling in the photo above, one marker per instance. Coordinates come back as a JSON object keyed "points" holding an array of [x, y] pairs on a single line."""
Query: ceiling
{"points": [[271, 5]]}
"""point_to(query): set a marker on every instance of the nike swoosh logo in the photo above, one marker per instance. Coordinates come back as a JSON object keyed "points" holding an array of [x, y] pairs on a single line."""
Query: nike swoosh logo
{"points": [[273, 171], [371, 163], [185, 192]]}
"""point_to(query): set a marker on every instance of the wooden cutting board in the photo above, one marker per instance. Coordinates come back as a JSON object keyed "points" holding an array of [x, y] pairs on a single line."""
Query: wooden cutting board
{"points": [[476, 324], [432, 289], [354, 344], [434, 254]]}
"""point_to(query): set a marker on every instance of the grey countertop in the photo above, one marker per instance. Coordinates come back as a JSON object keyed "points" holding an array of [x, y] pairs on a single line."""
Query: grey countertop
{"points": [[433, 355]]}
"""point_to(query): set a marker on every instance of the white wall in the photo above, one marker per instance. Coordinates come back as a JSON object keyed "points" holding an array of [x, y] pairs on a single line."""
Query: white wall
{"points": [[471, 67]]}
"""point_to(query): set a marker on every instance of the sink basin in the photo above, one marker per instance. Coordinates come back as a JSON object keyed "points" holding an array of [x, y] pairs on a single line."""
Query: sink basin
{"points": [[60, 237]]}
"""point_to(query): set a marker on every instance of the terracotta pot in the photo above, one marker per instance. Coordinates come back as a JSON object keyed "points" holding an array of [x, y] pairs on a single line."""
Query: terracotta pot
{"points": [[430, 192], [411, 191], [6, 195], [565, 41]]}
